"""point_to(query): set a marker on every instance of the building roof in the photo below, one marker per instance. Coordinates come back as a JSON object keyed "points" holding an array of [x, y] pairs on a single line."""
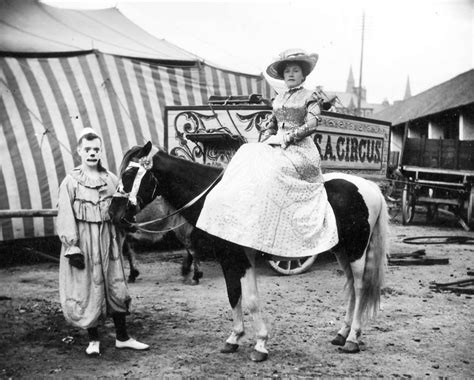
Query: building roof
{"points": [[454, 93], [349, 100], [31, 27]]}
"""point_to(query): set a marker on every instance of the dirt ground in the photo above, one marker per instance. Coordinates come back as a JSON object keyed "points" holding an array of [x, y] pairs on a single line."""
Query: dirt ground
{"points": [[418, 333]]}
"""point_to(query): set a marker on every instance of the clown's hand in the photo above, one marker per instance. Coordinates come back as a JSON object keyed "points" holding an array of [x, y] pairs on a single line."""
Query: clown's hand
{"points": [[77, 261]]}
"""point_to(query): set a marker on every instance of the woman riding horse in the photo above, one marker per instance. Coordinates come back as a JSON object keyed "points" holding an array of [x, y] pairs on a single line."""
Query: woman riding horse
{"points": [[282, 206], [273, 198]]}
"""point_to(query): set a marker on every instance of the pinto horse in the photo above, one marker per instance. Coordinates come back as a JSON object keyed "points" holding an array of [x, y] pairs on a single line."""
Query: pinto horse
{"points": [[362, 222]]}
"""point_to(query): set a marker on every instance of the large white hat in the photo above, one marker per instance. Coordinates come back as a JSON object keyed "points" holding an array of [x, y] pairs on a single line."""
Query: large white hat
{"points": [[299, 56]]}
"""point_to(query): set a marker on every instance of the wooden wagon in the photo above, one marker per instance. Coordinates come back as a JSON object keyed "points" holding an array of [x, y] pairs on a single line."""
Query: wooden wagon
{"points": [[211, 134], [439, 174]]}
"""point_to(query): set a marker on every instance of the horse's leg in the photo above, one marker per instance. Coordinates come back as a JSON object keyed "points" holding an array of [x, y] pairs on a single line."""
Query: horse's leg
{"points": [[234, 265], [129, 252], [190, 259], [197, 273], [352, 341], [232, 342], [185, 235], [343, 333], [186, 265], [250, 291]]}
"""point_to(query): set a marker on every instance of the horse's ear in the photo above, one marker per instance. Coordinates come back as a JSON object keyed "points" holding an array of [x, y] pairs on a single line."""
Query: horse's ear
{"points": [[145, 150]]}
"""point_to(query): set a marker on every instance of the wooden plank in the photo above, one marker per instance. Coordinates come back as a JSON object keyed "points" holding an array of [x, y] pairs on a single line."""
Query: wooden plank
{"points": [[443, 201], [417, 253], [453, 184], [27, 213], [466, 155], [467, 173], [418, 261], [456, 289], [463, 282], [451, 154], [421, 152]]}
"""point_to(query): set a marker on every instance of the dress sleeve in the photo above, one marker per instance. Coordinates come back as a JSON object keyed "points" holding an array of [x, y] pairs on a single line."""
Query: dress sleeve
{"points": [[66, 225], [313, 98], [313, 109]]}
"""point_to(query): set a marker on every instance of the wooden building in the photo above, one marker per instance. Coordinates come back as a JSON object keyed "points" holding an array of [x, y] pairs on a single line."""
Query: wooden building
{"points": [[445, 111]]}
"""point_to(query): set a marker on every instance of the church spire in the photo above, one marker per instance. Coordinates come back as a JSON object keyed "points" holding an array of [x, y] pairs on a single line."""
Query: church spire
{"points": [[407, 89], [350, 82]]}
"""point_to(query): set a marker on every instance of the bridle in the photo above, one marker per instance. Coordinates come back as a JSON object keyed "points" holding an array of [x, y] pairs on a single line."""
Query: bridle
{"points": [[144, 165]]}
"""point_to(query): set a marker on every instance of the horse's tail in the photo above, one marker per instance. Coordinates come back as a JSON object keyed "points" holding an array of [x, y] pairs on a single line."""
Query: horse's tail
{"points": [[376, 262]]}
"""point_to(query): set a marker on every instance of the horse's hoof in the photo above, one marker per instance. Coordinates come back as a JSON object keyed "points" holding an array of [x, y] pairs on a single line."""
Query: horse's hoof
{"points": [[229, 348], [258, 356], [349, 348], [133, 275], [190, 281], [339, 340]]}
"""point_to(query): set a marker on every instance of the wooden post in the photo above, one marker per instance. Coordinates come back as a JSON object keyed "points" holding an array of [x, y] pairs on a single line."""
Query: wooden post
{"points": [[458, 148], [440, 154], [405, 136]]}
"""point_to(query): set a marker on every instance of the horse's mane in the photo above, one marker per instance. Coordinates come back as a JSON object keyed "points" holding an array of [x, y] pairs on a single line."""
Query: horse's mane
{"points": [[185, 163], [181, 162]]}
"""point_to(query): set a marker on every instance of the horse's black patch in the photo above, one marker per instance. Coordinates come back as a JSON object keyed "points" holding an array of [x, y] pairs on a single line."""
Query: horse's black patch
{"points": [[352, 216], [234, 263]]}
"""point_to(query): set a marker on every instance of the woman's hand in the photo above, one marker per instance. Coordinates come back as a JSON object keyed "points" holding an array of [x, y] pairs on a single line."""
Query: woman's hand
{"points": [[281, 139]]}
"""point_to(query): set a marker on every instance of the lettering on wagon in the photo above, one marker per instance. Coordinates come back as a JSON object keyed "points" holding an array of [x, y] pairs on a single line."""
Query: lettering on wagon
{"points": [[339, 150]]}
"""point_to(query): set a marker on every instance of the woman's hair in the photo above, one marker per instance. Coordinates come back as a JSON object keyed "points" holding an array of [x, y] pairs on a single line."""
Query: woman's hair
{"points": [[90, 137]]}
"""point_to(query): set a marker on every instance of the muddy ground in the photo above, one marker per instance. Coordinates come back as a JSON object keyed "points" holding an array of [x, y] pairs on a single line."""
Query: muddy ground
{"points": [[419, 332]]}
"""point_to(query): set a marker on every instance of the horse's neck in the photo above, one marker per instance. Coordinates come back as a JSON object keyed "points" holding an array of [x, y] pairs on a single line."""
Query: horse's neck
{"points": [[184, 180]]}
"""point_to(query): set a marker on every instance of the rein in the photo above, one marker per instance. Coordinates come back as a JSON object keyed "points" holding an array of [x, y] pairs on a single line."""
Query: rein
{"points": [[139, 226], [140, 229]]}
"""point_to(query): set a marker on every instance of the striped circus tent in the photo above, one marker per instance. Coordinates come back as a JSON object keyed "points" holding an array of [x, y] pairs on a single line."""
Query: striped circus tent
{"points": [[47, 98]]}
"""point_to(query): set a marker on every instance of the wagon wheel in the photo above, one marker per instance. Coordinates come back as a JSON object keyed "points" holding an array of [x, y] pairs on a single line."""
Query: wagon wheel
{"points": [[408, 204], [290, 267]]}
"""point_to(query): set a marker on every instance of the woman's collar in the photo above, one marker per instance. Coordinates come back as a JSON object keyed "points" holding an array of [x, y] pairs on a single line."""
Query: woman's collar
{"points": [[294, 89]]}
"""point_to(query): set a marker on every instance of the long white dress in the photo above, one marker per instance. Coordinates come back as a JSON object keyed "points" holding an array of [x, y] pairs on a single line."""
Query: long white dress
{"points": [[273, 199]]}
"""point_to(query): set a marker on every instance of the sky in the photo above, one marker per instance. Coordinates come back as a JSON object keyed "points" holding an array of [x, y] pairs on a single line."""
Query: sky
{"points": [[427, 41]]}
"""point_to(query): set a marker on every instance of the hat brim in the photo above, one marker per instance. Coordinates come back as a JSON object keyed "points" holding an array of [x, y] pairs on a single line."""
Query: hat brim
{"points": [[307, 63]]}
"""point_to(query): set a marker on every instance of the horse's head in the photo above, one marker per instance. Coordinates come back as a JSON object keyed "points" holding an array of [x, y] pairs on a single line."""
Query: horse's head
{"points": [[138, 185]]}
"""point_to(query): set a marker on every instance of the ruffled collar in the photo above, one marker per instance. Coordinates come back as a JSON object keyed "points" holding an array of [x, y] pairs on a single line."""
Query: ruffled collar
{"points": [[80, 176]]}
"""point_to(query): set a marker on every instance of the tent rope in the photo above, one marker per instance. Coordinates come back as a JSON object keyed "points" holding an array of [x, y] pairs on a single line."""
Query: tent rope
{"points": [[45, 129]]}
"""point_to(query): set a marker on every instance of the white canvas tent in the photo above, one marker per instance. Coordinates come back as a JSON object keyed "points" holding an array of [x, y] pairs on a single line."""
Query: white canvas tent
{"points": [[62, 70]]}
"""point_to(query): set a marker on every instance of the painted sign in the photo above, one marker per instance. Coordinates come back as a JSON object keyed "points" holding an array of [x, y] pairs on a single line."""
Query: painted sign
{"points": [[341, 150], [346, 143]]}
